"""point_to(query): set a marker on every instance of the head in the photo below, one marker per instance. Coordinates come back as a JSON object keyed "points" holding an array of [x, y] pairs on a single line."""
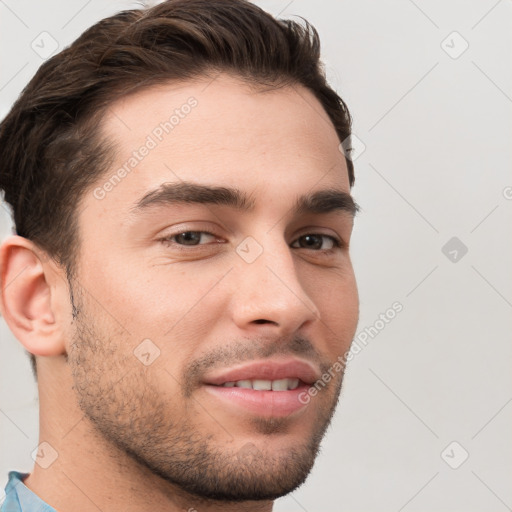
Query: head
{"points": [[183, 219]]}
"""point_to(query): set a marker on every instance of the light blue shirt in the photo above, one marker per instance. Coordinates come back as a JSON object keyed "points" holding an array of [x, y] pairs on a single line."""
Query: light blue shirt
{"points": [[19, 498]]}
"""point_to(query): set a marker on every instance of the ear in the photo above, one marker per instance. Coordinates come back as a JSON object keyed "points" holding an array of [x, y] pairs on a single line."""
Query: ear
{"points": [[30, 288]]}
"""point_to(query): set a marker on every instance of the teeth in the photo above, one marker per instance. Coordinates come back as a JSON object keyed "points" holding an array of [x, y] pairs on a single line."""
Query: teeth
{"points": [[293, 383], [264, 385], [280, 385]]}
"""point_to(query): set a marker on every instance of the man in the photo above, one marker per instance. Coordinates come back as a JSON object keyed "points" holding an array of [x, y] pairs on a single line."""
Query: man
{"points": [[180, 272]]}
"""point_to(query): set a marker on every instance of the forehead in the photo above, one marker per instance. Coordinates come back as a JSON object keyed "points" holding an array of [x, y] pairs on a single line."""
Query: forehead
{"points": [[221, 132]]}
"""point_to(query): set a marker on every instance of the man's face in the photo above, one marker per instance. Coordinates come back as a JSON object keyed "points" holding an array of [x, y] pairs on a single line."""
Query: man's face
{"points": [[193, 300]]}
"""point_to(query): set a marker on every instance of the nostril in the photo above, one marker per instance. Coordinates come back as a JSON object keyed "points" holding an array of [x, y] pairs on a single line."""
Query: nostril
{"points": [[263, 321]]}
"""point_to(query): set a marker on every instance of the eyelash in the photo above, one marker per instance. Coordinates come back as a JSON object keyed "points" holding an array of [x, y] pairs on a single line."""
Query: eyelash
{"points": [[168, 241]]}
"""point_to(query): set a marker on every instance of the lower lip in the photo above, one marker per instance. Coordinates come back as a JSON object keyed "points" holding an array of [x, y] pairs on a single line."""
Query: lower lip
{"points": [[264, 403]]}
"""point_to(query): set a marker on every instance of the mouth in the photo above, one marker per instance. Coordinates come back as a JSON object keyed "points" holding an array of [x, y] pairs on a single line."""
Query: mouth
{"points": [[268, 388]]}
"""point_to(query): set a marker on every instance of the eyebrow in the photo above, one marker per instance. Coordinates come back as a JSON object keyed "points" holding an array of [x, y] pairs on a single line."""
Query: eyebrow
{"points": [[321, 201]]}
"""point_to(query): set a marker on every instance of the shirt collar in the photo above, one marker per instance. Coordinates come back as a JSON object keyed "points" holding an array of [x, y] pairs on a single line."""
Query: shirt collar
{"points": [[19, 498]]}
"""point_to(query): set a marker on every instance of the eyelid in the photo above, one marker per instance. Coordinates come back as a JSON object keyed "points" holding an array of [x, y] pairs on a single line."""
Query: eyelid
{"points": [[196, 226]]}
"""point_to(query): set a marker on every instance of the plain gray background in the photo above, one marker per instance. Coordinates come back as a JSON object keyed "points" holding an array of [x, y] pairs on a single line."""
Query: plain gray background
{"points": [[425, 415]]}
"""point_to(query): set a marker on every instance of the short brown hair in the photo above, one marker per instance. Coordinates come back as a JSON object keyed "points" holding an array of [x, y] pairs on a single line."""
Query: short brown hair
{"points": [[50, 154]]}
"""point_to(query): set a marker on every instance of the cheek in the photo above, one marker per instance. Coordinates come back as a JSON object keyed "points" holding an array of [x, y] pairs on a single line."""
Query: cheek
{"points": [[337, 299], [156, 300]]}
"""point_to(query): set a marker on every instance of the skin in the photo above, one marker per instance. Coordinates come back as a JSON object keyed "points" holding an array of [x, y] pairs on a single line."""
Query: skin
{"points": [[123, 430]]}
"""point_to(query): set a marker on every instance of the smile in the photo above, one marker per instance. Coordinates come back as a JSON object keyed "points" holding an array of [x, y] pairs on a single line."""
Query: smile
{"points": [[268, 388]]}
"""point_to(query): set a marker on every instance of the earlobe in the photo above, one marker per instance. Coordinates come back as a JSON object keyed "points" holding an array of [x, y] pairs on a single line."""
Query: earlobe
{"points": [[26, 297]]}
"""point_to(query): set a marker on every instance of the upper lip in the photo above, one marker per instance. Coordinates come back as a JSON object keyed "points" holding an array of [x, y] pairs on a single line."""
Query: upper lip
{"points": [[266, 369]]}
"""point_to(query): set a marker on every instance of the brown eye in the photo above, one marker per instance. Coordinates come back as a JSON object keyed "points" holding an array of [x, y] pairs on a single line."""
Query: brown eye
{"points": [[316, 242], [190, 238]]}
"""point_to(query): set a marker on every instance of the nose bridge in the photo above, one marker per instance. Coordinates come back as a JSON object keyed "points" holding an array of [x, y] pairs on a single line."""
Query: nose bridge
{"points": [[269, 288]]}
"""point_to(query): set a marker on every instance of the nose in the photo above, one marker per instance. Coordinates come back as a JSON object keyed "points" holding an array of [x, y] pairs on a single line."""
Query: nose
{"points": [[270, 296]]}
